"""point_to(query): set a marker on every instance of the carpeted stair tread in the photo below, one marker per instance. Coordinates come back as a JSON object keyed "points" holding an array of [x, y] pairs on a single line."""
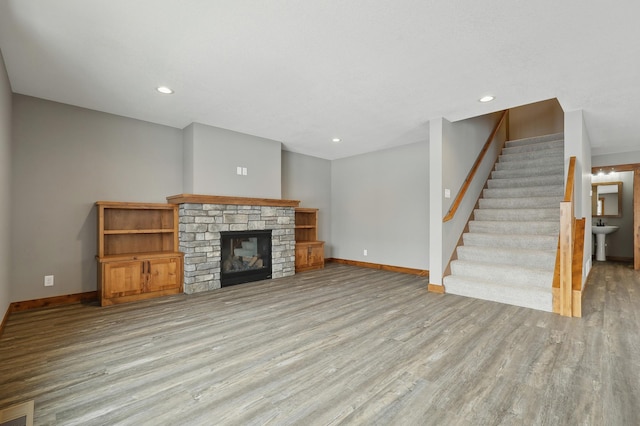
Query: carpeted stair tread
{"points": [[533, 147], [520, 202], [532, 155], [530, 164], [557, 169], [551, 227], [524, 257], [532, 191], [534, 140], [522, 240], [504, 274], [522, 182], [517, 214], [533, 297]]}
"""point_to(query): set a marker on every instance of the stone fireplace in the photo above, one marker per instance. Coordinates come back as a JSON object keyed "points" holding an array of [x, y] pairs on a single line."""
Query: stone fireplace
{"points": [[203, 219]]}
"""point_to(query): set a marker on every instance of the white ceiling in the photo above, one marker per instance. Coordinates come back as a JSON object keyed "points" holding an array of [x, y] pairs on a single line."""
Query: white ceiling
{"points": [[372, 72]]}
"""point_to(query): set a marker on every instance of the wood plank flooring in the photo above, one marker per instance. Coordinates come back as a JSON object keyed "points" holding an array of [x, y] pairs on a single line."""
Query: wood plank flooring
{"points": [[344, 345]]}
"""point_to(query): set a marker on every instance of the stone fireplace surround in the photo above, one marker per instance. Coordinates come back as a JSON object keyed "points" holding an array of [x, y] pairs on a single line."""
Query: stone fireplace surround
{"points": [[203, 217]]}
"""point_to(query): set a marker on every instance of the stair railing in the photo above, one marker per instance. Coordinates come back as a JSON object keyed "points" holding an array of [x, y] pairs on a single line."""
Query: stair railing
{"points": [[467, 182], [567, 283]]}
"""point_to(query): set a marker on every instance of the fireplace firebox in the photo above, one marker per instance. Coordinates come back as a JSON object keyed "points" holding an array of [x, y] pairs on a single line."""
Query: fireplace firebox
{"points": [[245, 257]]}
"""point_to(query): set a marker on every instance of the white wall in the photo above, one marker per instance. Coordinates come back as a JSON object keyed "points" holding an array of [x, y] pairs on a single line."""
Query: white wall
{"points": [[380, 202], [577, 143], [212, 155], [308, 179], [5, 189], [64, 160]]}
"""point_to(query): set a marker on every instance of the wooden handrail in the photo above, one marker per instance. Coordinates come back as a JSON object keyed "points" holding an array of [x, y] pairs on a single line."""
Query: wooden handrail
{"points": [[571, 173], [467, 182]]}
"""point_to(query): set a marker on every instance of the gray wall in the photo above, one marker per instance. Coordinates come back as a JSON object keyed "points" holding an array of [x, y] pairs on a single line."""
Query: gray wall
{"points": [[213, 154], [5, 189], [380, 202], [620, 243], [632, 157], [64, 160], [308, 179], [577, 144]]}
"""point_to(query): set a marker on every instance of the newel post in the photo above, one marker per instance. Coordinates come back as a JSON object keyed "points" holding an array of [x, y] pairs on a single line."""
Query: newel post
{"points": [[566, 257]]}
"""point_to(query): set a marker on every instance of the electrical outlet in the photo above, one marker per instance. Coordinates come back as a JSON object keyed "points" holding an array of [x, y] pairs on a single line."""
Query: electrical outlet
{"points": [[244, 171], [48, 280], [365, 252], [447, 193]]}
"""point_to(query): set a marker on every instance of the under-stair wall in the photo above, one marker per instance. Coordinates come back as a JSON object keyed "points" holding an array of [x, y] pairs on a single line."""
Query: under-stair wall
{"points": [[463, 142]]}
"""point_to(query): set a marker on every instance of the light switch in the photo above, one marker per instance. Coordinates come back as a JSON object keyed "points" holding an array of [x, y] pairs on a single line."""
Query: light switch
{"points": [[239, 170], [447, 193]]}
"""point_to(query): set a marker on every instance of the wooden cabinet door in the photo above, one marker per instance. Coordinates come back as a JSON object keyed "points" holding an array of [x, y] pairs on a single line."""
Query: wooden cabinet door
{"points": [[163, 274], [302, 256], [123, 278], [309, 255], [316, 255]]}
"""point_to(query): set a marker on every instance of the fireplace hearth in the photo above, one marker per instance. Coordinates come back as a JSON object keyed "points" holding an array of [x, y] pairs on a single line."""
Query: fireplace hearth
{"points": [[245, 257]]}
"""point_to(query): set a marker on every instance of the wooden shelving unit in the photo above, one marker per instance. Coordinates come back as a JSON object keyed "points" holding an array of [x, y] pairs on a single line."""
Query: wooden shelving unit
{"points": [[309, 251], [138, 256]]}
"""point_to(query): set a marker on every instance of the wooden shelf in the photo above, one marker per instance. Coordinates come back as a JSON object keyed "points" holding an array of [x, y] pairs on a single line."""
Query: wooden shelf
{"points": [[138, 251], [137, 231], [309, 251], [137, 256]]}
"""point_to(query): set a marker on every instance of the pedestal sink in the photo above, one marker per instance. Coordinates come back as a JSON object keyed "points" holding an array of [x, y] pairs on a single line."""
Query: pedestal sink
{"points": [[601, 232]]}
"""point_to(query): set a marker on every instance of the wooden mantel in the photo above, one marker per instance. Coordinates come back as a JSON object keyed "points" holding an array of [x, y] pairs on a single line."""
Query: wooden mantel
{"points": [[221, 199]]}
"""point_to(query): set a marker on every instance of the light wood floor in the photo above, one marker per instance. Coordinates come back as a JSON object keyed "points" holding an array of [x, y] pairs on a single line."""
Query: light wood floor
{"points": [[344, 345]]}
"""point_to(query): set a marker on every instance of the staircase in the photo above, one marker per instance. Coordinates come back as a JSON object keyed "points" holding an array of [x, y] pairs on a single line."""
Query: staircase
{"points": [[509, 253]]}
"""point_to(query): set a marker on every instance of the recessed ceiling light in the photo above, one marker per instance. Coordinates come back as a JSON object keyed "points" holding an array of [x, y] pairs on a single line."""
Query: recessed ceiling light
{"points": [[165, 90], [487, 98], [336, 140]]}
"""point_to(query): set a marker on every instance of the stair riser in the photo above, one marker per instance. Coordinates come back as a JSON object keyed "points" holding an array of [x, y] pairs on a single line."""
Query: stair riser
{"points": [[543, 260], [525, 182], [533, 147], [501, 275], [534, 140], [532, 164], [532, 155], [528, 298], [533, 191], [515, 241], [538, 171], [504, 227], [517, 214], [519, 203]]}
